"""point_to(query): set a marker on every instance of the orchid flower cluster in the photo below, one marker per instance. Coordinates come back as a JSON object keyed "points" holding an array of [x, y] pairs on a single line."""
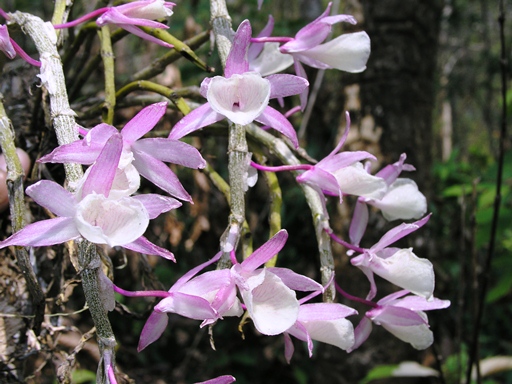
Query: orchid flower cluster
{"points": [[106, 207]]}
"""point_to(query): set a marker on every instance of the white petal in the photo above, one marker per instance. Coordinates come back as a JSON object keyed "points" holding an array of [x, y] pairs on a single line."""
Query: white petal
{"points": [[403, 201], [241, 98], [348, 52], [338, 332], [271, 60], [155, 9], [355, 180], [126, 182], [273, 306], [113, 222], [419, 336], [406, 270]]}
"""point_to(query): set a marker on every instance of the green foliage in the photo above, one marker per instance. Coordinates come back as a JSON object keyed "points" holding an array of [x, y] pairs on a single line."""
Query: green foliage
{"points": [[83, 376], [379, 372]]}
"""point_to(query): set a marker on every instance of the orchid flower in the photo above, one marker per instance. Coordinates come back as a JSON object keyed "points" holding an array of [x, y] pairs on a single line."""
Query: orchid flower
{"points": [[404, 317], [323, 322], [268, 293], [146, 155], [242, 96], [399, 266], [92, 214], [348, 52], [130, 16], [402, 199], [207, 297], [10, 48], [343, 174]]}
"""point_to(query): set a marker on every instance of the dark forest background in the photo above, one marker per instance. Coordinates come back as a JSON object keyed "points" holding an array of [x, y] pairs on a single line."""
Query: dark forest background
{"points": [[431, 90]]}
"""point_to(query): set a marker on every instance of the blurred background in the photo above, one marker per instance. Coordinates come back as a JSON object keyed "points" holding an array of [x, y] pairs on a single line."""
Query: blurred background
{"points": [[432, 90]]}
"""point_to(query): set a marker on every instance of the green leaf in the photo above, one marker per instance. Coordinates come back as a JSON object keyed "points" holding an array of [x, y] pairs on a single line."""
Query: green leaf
{"points": [[83, 376], [379, 372]]}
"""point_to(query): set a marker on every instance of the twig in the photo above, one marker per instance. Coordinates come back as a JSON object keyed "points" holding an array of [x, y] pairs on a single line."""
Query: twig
{"points": [[17, 210]]}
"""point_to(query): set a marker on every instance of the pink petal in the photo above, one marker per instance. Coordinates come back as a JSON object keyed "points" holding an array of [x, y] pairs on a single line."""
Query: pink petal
{"points": [[153, 329], [334, 162], [113, 16], [256, 48], [197, 119], [143, 245], [190, 306], [286, 85], [324, 311], [237, 62], [398, 232], [289, 349], [308, 37], [156, 204], [143, 122], [322, 179], [295, 281], [160, 175], [226, 379], [76, 152], [265, 252], [44, 233], [361, 333], [53, 197], [396, 316], [276, 120], [358, 223], [5, 43], [194, 271], [172, 151], [103, 171]]}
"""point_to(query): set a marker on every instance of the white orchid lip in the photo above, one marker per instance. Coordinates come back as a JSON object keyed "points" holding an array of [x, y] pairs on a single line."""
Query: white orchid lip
{"points": [[241, 97], [271, 60], [113, 222], [155, 9]]}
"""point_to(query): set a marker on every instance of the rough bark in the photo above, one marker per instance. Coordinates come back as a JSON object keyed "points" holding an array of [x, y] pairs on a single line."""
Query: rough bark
{"points": [[398, 86]]}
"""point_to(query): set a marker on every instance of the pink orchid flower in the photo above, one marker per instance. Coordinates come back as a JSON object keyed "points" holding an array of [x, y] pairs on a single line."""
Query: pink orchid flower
{"points": [[242, 96], [207, 297], [323, 322], [399, 266], [404, 317], [348, 52], [269, 293], [342, 173], [402, 199], [92, 215], [129, 16], [146, 155]]}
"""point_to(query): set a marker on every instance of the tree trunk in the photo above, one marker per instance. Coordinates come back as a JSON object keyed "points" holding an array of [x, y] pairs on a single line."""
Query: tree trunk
{"points": [[398, 86]]}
